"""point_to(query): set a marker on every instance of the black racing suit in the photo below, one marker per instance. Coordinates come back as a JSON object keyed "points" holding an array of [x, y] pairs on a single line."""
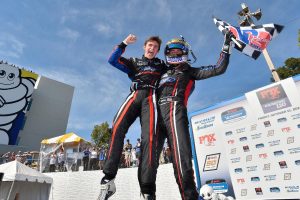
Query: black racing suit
{"points": [[141, 102], [174, 89]]}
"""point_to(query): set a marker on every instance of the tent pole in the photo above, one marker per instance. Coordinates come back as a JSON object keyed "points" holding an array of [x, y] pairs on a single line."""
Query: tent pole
{"points": [[41, 158], [11, 187]]}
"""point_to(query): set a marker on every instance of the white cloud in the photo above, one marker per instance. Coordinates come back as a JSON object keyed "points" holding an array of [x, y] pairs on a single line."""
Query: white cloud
{"points": [[164, 10], [10, 46], [103, 28], [69, 34], [69, 14]]}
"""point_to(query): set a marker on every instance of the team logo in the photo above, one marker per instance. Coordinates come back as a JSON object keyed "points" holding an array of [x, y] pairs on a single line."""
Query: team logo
{"points": [[148, 69], [275, 189], [286, 129], [218, 185], [252, 168], [296, 116], [205, 123], [290, 140], [270, 177], [258, 191], [256, 136], [274, 143], [233, 151], [243, 192], [248, 158], [246, 148], [166, 79], [273, 98], [270, 133], [243, 139], [280, 120], [292, 188], [282, 164], [240, 180], [278, 153], [260, 145], [294, 150], [238, 170], [287, 176], [230, 141], [208, 140], [233, 115], [267, 166], [235, 160], [267, 123], [255, 179], [253, 127], [240, 130], [263, 155], [228, 133]]}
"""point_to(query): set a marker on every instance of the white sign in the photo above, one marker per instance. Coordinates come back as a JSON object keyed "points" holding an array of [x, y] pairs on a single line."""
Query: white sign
{"points": [[257, 141]]}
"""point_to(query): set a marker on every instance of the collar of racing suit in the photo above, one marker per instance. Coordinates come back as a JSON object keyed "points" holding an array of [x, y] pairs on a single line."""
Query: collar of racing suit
{"points": [[178, 68]]}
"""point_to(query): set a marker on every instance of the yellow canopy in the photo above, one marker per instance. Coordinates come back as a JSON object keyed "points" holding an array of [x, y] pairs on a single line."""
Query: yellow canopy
{"points": [[66, 138]]}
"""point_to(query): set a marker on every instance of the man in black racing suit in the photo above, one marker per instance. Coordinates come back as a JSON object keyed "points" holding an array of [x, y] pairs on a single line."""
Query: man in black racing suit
{"points": [[174, 90], [145, 74]]}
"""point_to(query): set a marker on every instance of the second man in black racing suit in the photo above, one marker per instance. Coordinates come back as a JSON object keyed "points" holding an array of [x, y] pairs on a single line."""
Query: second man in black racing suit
{"points": [[175, 87]]}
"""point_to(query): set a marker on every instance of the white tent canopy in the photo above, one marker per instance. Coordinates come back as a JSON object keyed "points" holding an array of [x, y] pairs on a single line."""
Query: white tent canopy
{"points": [[16, 171], [23, 181]]}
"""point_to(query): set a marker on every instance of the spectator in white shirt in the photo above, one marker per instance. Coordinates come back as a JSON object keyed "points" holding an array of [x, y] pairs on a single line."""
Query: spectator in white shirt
{"points": [[61, 160], [93, 159], [52, 162], [133, 157]]}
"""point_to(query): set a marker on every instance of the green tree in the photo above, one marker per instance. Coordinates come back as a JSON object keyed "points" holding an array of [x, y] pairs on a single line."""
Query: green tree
{"points": [[291, 68], [101, 134]]}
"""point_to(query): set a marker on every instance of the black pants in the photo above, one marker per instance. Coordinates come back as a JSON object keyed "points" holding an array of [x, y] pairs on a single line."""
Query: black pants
{"points": [[52, 168], [61, 166], [140, 103], [93, 163], [173, 125], [85, 163]]}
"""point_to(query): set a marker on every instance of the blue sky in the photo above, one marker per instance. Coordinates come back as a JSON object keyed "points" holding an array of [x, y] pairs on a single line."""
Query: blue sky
{"points": [[70, 41]]}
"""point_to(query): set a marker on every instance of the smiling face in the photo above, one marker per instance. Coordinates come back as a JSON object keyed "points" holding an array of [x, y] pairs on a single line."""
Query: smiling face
{"points": [[176, 52], [151, 49], [9, 76]]}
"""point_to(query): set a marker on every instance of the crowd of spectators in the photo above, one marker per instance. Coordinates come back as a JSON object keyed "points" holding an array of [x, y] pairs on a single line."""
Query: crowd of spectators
{"points": [[91, 158], [28, 158], [131, 154]]}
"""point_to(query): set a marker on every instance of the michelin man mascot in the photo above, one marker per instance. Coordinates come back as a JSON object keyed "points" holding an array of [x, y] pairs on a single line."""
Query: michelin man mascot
{"points": [[15, 92], [207, 193]]}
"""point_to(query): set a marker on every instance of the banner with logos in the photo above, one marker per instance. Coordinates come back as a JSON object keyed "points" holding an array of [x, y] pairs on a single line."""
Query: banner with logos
{"points": [[251, 145]]}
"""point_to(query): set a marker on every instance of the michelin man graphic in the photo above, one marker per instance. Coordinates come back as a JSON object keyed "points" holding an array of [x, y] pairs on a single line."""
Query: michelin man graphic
{"points": [[15, 93], [207, 193]]}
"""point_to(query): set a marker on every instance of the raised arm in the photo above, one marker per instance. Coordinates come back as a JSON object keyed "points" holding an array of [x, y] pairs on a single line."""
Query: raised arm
{"points": [[220, 67], [121, 63]]}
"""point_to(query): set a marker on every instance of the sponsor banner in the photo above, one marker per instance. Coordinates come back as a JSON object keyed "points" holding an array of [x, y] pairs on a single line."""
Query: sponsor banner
{"points": [[212, 161], [260, 135]]}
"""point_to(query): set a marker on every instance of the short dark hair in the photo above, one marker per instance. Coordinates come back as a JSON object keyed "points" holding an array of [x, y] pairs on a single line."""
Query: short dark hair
{"points": [[153, 38]]}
